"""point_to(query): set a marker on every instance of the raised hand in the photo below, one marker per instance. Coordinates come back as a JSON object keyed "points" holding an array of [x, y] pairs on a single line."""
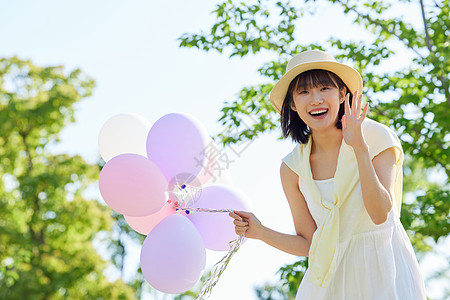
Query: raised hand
{"points": [[352, 120]]}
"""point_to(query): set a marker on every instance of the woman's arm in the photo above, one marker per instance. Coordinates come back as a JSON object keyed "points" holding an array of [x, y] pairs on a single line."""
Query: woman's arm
{"points": [[377, 177], [298, 244]]}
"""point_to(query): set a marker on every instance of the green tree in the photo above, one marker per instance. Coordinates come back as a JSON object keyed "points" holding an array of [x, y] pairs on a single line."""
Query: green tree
{"points": [[47, 224], [414, 100]]}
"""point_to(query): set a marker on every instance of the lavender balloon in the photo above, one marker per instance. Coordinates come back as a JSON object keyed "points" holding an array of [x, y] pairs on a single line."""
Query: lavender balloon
{"points": [[173, 255], [178, 143], [133, 185], [217, 229]]}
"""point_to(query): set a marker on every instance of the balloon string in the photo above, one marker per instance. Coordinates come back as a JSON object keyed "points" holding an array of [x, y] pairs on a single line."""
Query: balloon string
{"points": [[221, 265], [218, 269], [188, 210]]}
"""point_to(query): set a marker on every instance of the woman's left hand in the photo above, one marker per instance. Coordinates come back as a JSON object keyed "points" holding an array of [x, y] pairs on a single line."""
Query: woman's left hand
{"points": [[352, 120]]}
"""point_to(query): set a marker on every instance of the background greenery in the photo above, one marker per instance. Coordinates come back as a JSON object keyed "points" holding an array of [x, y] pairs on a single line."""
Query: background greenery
{"points": [[47, 226], [46, 247]]}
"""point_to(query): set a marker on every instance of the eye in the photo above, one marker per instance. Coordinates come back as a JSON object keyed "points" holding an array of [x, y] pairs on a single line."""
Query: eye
{"points": [[325, 88], [302, 92]]}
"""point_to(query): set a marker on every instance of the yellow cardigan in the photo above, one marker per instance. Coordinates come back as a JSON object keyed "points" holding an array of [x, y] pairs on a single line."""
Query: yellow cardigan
{"points": [[323, 253]]}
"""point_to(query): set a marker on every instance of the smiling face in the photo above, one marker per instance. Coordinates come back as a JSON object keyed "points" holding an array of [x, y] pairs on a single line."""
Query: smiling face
{"points": [[316, 97], [292, 123], [318, 106]]}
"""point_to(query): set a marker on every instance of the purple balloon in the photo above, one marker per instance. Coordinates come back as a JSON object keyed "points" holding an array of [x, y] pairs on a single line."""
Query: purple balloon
{"points": [[133, 185], [178, 145], [217, 229], [173, 255]]}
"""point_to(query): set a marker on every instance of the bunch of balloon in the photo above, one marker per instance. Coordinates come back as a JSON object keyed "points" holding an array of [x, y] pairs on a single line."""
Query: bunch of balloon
{"points": [[161, 178]]}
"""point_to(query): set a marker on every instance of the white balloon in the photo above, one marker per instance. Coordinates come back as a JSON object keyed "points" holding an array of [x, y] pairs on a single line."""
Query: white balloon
{"points": [[123, 133]]}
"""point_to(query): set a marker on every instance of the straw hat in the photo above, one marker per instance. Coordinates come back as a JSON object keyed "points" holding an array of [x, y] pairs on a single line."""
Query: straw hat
{"points": [[309, 60]]}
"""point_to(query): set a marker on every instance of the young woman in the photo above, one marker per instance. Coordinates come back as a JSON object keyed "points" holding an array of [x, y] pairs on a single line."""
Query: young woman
{"points": [[343, 182]]}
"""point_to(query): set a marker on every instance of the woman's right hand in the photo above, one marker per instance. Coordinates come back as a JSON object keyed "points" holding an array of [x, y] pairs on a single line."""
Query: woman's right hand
{"points": [[247, 224]]}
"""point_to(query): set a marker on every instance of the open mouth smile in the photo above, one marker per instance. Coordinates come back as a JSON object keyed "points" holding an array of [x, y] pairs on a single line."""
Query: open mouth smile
{"points": [[318, 113]]}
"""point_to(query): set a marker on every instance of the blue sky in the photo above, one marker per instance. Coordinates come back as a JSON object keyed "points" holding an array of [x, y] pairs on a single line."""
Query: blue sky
{"points": [[130, 48]]}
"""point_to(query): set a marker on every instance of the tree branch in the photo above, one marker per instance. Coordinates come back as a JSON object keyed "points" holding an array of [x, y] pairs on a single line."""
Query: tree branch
{"points": [[27, 151], [425, 25], [429, 46], [441, 78], [436, 4], [122, 256], [383, 26], [38, 237]]}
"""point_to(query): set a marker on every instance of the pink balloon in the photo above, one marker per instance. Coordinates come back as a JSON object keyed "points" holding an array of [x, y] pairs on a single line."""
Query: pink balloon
{"points": [[173, 255], [178, 145], [144, 225], [133, 185], [217, 229]]}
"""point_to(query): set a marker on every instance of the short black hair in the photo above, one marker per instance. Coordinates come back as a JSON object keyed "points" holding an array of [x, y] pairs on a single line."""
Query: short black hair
{"points": [[291, 124]]}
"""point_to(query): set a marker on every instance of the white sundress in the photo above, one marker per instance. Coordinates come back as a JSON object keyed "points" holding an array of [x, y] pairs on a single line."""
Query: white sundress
{"points": [[377, 263]]}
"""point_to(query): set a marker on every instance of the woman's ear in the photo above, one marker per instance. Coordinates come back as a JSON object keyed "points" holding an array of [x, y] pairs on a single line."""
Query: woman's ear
{"points": [[293, 106], [342, 94]]}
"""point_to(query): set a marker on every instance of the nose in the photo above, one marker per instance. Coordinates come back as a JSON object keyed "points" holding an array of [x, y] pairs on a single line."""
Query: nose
{"points": [[316, 98]]}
